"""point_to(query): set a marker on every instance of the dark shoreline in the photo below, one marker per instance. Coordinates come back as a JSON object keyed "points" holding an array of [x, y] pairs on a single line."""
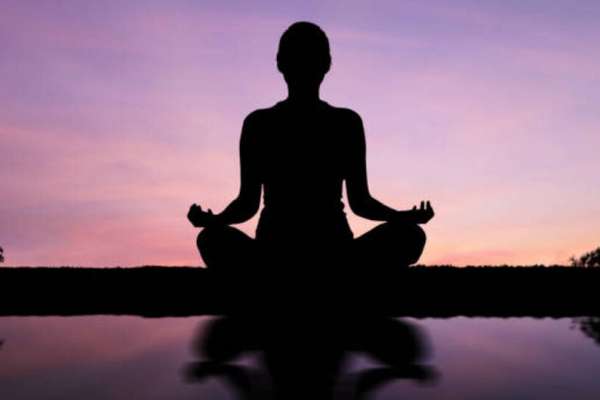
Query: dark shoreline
{"points": [[184, 291]]}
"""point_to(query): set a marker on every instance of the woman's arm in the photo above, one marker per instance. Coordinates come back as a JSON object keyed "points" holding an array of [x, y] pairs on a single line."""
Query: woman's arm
{"points": [[248, 200], [246, 204], [357, 187]]}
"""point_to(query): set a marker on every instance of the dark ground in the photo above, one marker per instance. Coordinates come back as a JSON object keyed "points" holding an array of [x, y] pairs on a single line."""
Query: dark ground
{"points": [[419, 292]]}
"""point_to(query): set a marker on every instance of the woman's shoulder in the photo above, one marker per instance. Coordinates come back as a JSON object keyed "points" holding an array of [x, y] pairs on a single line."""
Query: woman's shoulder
{"points": [[262, 114], [345, 114], [341, 114]]}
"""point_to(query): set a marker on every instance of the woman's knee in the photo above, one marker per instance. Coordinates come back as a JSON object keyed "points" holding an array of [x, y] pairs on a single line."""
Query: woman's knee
{"points": [[213, 236], [209, 242], [223, 244], [419, 235], [418, 239], [412, 233], [204, 238], [412, 238]]}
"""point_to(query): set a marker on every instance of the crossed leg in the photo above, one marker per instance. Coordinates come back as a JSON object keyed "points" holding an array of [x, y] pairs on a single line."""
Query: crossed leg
{"points": [[226, 249], [389, 245]]}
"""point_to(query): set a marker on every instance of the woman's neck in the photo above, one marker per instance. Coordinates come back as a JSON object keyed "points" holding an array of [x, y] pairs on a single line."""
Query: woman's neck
{"points": [[303, 95]]}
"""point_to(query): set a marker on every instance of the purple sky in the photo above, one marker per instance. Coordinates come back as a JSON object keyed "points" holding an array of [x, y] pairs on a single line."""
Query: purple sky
{"points": [[115, 116]]}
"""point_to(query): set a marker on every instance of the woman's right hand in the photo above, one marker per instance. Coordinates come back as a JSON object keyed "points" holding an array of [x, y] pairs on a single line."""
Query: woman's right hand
{"points": [[200, 218]]}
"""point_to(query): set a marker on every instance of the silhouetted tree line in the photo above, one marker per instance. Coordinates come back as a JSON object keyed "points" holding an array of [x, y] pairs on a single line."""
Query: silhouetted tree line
{"points": [[1, 255], [590, 259], [590, 326]]}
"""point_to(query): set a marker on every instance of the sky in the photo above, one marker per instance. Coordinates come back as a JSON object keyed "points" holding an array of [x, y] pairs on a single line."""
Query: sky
{"points": [[116, 116]]}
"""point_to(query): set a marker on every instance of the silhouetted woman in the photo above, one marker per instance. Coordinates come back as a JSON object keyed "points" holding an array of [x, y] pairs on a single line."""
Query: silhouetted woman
{"points": [[300, 152]]}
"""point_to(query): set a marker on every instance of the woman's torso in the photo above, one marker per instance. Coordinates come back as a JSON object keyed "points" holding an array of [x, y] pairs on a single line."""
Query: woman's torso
{"points": [[303, 159]]}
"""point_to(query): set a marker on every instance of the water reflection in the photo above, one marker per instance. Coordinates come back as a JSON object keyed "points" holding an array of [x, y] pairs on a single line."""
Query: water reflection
{"points": [[590, 326], [123, 358], [304, 358]]}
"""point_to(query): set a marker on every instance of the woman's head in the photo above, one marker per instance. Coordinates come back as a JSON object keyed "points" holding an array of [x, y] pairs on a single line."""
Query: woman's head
{"points": [[303, 54]]}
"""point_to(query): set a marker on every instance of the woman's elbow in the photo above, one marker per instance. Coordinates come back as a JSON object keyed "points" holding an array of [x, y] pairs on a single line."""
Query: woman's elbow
{"points": [[251, 211], [250, 207], [359, 208]]}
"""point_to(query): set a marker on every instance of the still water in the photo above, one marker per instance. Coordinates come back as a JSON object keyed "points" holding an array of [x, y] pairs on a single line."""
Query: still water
{"points": [[109, 357]]}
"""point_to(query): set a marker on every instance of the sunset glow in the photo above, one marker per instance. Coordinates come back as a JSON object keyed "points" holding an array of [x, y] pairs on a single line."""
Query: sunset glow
{"points": [[116, 116]]}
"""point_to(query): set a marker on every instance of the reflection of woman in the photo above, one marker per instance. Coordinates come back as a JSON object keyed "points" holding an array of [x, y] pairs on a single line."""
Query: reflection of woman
{"points": [[304, 358], [300, 152]]}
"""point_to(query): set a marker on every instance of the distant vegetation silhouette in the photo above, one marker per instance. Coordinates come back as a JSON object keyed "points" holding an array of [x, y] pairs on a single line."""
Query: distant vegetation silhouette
{"points": [[534, 291], [1, 254], [588, 260], [590, 326]]}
